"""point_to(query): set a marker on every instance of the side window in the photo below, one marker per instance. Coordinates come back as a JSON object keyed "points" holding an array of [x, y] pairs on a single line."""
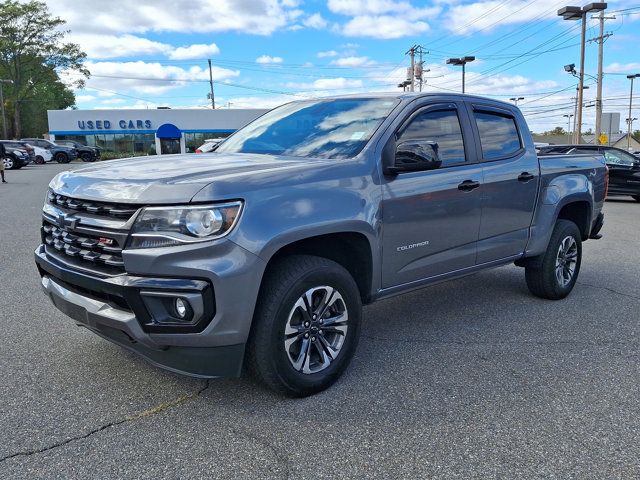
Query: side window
{"points": [[613, 157], [441, 127], [498, 134]]}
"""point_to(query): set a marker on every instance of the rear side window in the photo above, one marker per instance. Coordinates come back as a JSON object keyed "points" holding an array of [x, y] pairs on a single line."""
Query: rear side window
{"points": [[498, 134], [441, 127]]}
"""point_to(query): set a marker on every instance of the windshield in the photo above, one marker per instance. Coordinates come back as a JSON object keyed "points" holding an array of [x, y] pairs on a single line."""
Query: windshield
{"points": [[337, 128]]}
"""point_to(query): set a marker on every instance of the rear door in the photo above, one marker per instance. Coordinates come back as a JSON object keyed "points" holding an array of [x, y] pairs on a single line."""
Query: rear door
{"points": [[431, 218], [511, 175]]}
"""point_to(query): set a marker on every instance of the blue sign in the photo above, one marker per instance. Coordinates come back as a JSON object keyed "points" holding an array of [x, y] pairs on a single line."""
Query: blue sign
{"points": [[106, 124]]}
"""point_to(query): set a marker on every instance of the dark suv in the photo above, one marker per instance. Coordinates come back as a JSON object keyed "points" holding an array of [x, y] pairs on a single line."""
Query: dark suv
{"points": [[60, 153], [85, 153], [16, 156], [624, 168]]}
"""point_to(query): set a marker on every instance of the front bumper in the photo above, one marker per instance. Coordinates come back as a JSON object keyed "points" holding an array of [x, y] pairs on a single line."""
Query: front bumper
{"points": [[115, 307]]}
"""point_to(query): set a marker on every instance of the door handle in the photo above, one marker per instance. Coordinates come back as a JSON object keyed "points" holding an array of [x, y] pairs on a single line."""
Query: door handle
{"points": [[525, 177], [468, 185]]}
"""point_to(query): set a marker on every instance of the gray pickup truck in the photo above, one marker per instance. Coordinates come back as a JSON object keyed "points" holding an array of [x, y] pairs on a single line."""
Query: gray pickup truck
{"points": [[262, 253]]}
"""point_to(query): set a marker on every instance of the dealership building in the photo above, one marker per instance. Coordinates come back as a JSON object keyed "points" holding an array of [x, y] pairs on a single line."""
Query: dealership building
{"points": [[149, 131]]}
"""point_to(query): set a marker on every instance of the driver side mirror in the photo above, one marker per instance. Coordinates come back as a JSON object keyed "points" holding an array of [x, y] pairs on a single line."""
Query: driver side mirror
{"points": [[414, 156]]}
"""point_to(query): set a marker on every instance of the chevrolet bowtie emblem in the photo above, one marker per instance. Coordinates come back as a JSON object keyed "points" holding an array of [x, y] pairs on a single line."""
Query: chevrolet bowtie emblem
{"points": [[63, 221]]}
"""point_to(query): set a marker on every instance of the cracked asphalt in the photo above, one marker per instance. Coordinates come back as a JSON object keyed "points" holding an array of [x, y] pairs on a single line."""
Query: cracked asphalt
{"points": [[473, 378]]}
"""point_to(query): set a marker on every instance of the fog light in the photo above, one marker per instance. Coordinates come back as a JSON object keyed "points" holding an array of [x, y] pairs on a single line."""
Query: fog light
{"points": [[181, 308]]}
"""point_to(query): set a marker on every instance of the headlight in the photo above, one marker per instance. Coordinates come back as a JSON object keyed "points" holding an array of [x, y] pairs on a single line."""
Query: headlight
{"points": [[167, 226]]}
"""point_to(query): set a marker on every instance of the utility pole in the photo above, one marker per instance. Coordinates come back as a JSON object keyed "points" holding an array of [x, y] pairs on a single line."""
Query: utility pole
{"points": [[213, 101], [4, 118], [600, 39], [412, 73]]}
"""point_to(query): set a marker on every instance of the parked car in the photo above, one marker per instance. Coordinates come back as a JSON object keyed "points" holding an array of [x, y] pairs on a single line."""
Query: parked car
{"points": [[42, 155], [265, 251], [624, 168], [85, 153], [208, 145], [15, 157], [61, 154], [23, 146]]}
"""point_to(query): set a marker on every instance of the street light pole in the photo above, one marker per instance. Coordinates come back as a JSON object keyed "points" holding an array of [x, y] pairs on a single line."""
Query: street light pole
{"points": [[568, 117], [461, 61], [577, 13], [4, 118], [515, 100], [630, 77]]}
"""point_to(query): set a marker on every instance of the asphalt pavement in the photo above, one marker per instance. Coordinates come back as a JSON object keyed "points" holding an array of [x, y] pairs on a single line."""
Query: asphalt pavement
{"points": [[473, 378]]}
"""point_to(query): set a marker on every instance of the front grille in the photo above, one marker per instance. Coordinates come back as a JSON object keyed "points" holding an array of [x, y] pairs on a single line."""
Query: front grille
{"points": [[86, 235], [96, 208]]}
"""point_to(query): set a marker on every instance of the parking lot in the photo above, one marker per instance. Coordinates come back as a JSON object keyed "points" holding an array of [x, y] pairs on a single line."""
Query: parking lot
{"points": [[471, 378]]}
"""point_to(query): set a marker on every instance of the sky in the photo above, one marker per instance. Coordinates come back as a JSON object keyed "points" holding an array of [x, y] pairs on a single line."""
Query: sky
{"points": [[145, 54]]}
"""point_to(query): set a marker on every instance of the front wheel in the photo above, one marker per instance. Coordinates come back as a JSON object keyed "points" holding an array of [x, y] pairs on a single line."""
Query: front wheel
{"points": [[39, 160], [9, 163], [306, 325], [554, 274], [62, 157], [87, 157]]}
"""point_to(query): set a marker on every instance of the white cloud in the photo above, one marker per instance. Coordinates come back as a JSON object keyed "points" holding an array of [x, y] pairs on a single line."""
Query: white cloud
{"points": [[352, 62], [328, 53], [258, 17], [84, 98], [629, 68], [147, 77], [198, 50], [266, 59], [382, 18], [383, 26], [315, 21], [112, 46], [489, 14], [113, 101]]}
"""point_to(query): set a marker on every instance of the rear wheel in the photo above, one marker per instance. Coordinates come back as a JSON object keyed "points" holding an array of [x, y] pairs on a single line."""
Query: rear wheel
{"points": [[306, 325], [61, 157], [39, 159], [554, 274]]}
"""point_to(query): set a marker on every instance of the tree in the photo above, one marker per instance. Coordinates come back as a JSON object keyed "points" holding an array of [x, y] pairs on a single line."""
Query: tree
{"points": [[556, 131], [33, 54]]}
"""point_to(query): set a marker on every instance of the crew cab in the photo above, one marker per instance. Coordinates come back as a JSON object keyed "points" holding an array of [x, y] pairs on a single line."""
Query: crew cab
{"points": [[624, 168], [262, 253]]}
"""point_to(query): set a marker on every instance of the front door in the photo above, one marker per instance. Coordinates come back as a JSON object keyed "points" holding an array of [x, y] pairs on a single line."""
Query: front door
{"points": [[624, 174], [431, 218]]}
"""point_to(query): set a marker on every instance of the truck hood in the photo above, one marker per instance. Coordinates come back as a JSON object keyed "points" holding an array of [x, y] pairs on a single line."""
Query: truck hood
{"points": [[166, 179]]}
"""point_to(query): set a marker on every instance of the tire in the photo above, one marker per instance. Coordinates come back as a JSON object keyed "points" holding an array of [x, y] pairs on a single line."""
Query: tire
{"points": [[554, 275], [636, 197], [39, 160], [87, 157], [9, 163], [61, 157], [275, 357]]}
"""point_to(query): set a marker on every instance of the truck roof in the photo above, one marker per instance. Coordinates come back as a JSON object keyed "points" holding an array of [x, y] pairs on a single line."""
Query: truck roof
{"points": [[413, 95]]}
